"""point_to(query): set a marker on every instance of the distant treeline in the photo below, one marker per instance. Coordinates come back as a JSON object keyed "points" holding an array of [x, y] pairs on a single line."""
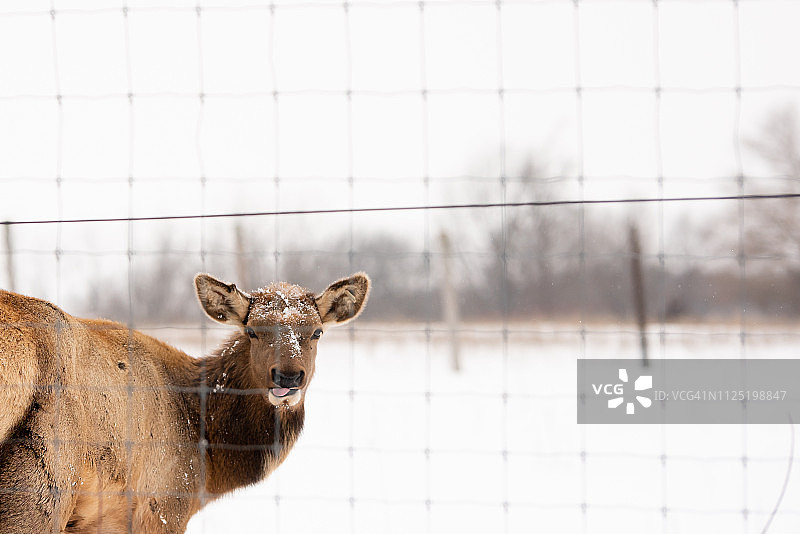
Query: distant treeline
{"points": [[742, 257], [538, 266]]}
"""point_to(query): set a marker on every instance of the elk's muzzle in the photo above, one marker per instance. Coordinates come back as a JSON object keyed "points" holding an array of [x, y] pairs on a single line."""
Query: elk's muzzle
{"points": [[290, 380]]}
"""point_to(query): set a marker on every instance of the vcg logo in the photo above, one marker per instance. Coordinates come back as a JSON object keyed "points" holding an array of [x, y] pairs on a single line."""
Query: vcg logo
{"points": [[617, 392]]}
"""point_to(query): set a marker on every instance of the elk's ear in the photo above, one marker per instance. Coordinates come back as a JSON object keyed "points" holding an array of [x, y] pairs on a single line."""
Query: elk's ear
{"points": [[343, 300], [222, 302]]}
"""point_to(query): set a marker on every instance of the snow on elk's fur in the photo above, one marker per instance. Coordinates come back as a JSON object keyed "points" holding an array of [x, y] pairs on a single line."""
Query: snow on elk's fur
{"points": [[104, 429]]}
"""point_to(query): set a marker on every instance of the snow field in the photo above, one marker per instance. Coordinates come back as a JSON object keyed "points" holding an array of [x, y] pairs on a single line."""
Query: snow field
{"points": [[395, 441]]}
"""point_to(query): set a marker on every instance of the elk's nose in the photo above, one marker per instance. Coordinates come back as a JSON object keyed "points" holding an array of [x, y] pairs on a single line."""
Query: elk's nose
{"points": [[288, 380]]}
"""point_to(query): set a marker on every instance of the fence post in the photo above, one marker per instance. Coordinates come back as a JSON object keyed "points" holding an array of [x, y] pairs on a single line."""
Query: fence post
{"points": [[242, 268], [450, 302], [637, 280], [9, 257]]}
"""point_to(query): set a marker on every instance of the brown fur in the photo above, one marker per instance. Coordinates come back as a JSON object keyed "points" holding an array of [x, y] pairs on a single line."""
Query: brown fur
{"points": [[107, 430]]}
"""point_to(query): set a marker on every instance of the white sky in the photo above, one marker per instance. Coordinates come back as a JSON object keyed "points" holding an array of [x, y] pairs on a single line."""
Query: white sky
{"points": [[387, 137]]}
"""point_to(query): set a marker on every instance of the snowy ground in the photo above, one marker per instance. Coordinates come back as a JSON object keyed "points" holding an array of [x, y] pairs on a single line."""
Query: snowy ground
{"points": [[396, 442]]}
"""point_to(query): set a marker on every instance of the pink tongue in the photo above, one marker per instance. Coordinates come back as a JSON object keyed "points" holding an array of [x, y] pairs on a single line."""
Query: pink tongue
{"points": [[280, 392]]}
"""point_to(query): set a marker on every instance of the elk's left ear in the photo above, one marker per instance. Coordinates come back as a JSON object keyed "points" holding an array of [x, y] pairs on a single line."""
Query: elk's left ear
{"points": [[344, 299], [222, 302]]}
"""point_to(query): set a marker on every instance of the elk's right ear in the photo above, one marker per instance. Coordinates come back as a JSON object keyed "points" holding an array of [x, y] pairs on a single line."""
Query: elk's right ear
{"points": [[222, 302]]}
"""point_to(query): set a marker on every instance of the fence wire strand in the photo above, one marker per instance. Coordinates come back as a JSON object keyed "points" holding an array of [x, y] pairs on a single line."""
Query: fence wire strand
{"points": [[423, 208]]}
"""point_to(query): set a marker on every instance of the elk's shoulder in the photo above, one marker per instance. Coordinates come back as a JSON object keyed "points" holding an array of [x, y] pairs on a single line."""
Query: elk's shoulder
{"points": [[29, 318], [14, 306]]}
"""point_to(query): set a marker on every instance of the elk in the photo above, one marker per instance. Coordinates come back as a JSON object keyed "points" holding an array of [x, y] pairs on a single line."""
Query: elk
{"points": [[104, 429]]}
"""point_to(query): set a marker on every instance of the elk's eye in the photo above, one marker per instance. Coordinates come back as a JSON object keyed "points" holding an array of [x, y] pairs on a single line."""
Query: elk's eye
{"points": [[250, 332], [317, 333]]}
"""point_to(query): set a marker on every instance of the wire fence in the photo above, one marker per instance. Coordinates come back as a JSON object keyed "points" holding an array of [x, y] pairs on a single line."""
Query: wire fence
{"points": [[307, 140]]}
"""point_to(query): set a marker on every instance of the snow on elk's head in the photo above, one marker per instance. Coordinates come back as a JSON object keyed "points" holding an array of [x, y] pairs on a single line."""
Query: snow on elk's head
{"points": [[282, 323]]}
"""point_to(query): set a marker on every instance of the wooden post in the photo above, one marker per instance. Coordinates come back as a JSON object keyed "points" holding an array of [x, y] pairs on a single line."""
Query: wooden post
{"points": [[242, 266], [9, 257], [450, 303], [637, 280]]}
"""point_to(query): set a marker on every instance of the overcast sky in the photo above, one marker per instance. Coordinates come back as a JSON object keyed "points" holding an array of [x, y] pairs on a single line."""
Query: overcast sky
{"points": [[460, 92]]}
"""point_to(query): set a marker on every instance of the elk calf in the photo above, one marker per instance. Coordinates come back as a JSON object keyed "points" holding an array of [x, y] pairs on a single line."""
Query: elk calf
{"points": [[107, 430]]}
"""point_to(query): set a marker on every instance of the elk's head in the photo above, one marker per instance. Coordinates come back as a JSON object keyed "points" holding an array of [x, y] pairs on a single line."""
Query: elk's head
{"points": [[283, 323]]}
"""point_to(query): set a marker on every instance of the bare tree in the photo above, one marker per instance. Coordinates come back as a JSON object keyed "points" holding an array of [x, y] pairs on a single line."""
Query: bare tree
{"points": [[533, 248], [775, 224], [772, 227], [778, 142]]}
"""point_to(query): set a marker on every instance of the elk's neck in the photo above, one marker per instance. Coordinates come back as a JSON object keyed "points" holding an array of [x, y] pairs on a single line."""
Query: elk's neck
{"points": [[247, 436]]}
